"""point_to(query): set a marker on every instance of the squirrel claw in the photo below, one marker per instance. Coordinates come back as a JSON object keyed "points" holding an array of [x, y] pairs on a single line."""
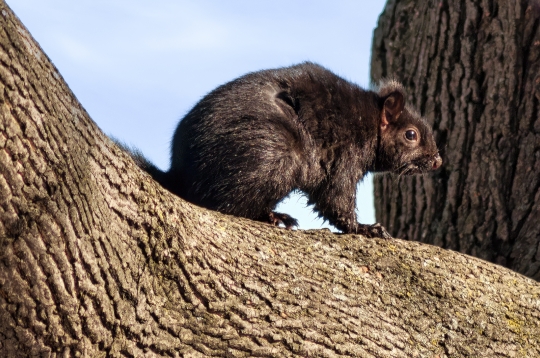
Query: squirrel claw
{"points": [[275, 218], [379, 231], [372, 231]]}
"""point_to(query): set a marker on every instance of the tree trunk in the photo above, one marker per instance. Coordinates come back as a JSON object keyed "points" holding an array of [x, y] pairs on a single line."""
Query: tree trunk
{"points": [[473, 68], [97, 260]]}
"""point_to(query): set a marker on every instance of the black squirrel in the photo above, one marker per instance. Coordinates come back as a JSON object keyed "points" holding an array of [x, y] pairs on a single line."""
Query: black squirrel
{"points": [[250, 142]]}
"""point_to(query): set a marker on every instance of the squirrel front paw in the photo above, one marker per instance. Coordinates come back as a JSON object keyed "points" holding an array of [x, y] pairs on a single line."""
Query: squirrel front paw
{"points": [[372, 231]]}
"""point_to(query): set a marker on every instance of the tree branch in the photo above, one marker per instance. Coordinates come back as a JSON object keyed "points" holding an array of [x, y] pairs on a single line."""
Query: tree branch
{"points": [[96, 258]]}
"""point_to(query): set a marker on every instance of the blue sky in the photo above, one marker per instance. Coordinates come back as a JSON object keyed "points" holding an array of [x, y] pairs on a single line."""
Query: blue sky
{"points": [[138, 66]]}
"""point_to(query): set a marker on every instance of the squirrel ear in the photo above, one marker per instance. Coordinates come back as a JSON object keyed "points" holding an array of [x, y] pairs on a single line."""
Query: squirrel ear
{"points": [[392, 108]]}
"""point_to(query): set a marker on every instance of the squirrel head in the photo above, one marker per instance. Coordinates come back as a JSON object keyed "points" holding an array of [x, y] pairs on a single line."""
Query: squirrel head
{"points": [[406, 143]]}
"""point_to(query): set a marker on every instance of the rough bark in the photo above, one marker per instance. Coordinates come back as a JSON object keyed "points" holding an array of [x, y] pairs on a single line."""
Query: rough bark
{"points": [[473, 68], [96, 259]]}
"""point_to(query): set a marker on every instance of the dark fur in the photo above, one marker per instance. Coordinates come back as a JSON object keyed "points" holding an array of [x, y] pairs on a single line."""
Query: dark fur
{"points": [[249, 143]]}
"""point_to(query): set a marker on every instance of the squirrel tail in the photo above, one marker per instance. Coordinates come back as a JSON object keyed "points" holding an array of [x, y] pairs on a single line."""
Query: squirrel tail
{"points": [[159, 175]]}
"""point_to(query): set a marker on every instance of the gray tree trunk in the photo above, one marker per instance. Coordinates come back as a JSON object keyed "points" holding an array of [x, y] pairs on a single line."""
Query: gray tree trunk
{"points": [[473, 68], [97, 260]]}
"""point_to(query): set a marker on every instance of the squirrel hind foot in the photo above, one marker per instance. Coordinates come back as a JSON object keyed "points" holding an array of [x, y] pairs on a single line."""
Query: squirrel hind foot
{"points": [[275, 218]]}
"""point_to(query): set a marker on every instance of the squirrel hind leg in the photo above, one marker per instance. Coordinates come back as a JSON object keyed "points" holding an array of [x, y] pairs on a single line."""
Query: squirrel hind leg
{"points": [[275, 218]]}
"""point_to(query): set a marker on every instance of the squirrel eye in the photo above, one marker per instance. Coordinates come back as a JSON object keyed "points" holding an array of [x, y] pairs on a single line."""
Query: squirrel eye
{"points": [[411, 135]]}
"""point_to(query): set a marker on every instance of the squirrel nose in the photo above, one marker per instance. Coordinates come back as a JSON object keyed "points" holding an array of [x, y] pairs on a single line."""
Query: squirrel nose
{"points": [[437, 162]]}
